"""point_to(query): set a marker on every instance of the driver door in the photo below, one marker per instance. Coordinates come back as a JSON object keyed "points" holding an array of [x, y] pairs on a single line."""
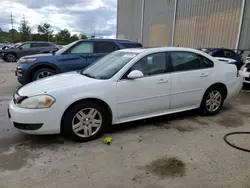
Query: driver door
{"points": [[77, 57], [147, 95]]}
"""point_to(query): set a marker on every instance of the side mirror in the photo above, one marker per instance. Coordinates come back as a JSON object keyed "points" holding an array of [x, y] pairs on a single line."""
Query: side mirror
{"points": [[20, 48], [135, 74]]}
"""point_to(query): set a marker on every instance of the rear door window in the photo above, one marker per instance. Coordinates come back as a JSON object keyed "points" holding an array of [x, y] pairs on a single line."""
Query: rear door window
{"points": [[228, 53], [105, 47], [205, 62], [131, 45], [219, 53], [36, 45], [184, 61]]}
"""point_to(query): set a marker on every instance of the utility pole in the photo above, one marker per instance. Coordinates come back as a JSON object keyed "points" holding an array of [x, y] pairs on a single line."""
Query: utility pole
{"points": [[12, 28], [24, 19]]}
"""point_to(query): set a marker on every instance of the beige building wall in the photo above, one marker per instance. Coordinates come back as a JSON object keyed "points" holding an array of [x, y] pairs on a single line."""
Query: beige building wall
{"points": [[212, 30], [159, 35]]}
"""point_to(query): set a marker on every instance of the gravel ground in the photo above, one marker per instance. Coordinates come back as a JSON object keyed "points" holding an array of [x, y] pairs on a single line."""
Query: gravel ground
{"points": [[181, 150]]}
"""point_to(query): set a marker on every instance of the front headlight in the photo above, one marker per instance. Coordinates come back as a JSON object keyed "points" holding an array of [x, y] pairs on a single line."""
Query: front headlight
{"points": [[37, 102], [30, 60]]}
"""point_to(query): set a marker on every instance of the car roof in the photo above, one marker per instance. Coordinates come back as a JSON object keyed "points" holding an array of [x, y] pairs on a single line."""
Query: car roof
{"points": [[214, 49], [110, 40], [36, 42], [159, 49]]}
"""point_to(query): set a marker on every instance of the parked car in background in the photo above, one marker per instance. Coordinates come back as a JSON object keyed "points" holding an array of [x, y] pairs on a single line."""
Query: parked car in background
{"points": [[3, 44], [245, 72], [225, 53], [126, 85], [248, 58], [2, 50], [75, 56], [27, 48]]}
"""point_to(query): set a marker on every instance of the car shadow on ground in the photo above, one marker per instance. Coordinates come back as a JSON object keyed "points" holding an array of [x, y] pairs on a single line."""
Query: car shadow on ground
{"points": [[155, 121], [50, 141]]}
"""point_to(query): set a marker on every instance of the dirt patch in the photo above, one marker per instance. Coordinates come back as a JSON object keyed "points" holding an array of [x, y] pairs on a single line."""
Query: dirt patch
{"points": [[14, 159], [246, 114], [21, 154], [231, 122], [203, 123], [180, 127], [166, 167]]}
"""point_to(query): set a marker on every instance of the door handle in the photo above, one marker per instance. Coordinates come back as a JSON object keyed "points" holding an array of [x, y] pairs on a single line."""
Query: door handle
{"points": [[204, 75], [162, 81]]}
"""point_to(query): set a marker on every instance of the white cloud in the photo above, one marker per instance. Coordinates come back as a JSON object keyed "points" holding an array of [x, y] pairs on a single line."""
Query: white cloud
{"points": [[78, 16]]}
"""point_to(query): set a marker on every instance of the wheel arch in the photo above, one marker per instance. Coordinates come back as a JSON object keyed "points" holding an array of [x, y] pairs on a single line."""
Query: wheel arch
{"points": [[35, 67], [221, 86], [11, 52], [92, 99]]}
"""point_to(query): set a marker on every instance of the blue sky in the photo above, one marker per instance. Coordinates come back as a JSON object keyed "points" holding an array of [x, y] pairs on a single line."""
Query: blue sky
{"points": [[78, 16]]}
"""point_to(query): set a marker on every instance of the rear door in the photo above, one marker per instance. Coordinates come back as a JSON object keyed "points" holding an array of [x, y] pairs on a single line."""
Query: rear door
{"points": [[190, 78], [36, 48], [77, 57], [101, 49]]}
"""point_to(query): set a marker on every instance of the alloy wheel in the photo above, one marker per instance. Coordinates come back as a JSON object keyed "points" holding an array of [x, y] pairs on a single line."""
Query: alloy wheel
{"points": [[87, 122], [213, 101], [44, 74], [11, 58]]}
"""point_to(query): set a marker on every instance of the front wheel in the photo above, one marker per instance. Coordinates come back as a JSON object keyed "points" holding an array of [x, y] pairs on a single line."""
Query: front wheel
{"points": [[11, 57], [85, 121], [212, 101], [42, 73]]}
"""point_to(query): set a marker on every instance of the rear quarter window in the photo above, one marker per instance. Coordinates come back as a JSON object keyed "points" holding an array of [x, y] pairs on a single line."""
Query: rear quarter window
{"points": [[131, 45]]}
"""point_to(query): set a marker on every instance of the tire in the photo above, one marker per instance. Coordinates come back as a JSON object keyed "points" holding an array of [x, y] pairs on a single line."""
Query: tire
{"points": [[46, 72], [83, 126], [10, 57], [205, 107]]}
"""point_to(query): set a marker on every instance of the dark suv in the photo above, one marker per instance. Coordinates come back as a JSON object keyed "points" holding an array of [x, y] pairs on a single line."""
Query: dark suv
{"points": [[225, 53], [75, 56], [27, 48]]}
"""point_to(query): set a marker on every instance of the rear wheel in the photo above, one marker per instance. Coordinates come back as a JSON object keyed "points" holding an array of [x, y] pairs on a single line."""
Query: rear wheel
{"points": [[11, 57], [42, 73], [212, 101], [85, 121]]}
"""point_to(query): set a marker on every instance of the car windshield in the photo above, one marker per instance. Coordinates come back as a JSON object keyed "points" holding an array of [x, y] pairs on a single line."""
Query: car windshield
{"points": [[109, 65], [65, 48]]}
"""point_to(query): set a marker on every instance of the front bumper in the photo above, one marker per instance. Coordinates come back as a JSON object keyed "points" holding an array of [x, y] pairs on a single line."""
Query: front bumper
{"points": [[35, 121], [20, 75]]}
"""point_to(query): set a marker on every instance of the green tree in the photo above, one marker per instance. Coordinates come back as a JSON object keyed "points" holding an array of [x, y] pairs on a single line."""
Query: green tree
{"points": [[74, 38], [45, 31], [25, 31], [82, 36], [63, 37], [14, 35]]}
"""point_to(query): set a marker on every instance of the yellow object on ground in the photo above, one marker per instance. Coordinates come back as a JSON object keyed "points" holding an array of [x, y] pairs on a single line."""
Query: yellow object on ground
{"points": [[107, 140]]}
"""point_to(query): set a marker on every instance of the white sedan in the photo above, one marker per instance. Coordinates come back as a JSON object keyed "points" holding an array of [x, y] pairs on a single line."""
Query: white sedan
{"points": [[124, 86]]}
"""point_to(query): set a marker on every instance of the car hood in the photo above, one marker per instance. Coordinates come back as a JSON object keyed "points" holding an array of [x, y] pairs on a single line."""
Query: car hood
{"points": [[58, 82], [38, 55]]}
